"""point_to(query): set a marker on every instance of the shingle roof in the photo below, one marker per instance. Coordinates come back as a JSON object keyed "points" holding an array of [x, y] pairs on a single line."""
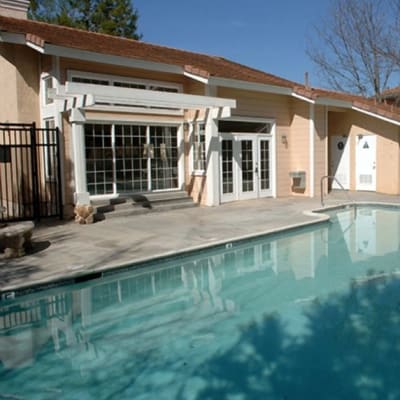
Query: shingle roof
{"points": [[203, 65], [113, 45], [362, 103], [392, 92]]}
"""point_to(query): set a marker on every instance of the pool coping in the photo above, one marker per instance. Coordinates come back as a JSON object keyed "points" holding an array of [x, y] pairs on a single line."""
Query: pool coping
{"points": [[11, 291]]}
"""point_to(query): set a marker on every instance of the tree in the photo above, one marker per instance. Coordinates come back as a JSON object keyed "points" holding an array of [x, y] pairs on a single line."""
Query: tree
{"points": [[114, 17], [352, 44]]}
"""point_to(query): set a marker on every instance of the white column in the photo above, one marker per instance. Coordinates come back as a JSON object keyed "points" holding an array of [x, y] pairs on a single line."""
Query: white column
{"points": [[181, 158], [81, 195], [273, 163], [312, 149], [212, 155]]}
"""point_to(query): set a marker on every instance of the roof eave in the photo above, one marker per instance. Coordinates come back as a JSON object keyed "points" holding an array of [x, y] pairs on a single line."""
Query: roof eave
{"points": [[14, 38], [375, 115], [86, 55], [247, 85], [328, 101]]}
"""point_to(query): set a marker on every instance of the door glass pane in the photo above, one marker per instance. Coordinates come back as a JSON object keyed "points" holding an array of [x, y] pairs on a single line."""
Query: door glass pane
{"points": [[99, 159], [247, 165], [264, 165], [130, 158], [164, 157], [227, 166]]}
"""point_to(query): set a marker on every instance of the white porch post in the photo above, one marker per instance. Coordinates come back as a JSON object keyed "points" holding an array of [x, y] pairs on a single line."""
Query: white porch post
{"points": [[212, 146], [81, 195], [181, 158]]}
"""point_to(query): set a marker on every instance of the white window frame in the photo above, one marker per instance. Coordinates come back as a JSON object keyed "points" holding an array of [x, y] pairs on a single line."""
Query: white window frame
{"points": [[49, 123], [123, 79], [46, 101], [147, 124], [195, 130]]}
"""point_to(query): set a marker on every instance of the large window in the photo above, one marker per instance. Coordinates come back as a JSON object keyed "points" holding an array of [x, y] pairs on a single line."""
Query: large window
{"points": [[130, 142], [99, 159], [130, 158]]}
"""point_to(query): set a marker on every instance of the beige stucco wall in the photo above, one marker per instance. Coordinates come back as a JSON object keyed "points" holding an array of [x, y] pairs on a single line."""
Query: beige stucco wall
{"points": [[19, 78], [8, 83], [299, 143], [19, 103], [353, 123], [197, 188], [68, 167], [320, 148]]}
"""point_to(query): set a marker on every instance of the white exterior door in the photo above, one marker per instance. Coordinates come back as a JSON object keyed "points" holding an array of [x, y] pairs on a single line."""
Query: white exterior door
{"points": [[366, 162], [246, 149], [264, 166], [246, 166], [340, 161]]}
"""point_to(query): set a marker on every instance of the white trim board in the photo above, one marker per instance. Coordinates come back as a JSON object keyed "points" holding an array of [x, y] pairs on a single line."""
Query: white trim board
{"points": [[118, 95], [253, 86]]}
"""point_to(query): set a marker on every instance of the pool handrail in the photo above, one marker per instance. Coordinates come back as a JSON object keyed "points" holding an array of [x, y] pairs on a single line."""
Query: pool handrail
{"points": [[337, 181]]}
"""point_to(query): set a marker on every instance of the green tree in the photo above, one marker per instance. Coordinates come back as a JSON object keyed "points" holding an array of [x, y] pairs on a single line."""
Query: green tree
{"points": [[114, 17]]}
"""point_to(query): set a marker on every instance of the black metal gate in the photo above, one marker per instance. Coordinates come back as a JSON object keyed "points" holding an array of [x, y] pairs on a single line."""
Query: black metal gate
{"points": [[30, 173]]}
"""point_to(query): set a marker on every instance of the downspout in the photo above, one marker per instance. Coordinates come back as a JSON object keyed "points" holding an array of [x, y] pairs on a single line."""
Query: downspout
{"points": [[312, 149], [326, 127]]}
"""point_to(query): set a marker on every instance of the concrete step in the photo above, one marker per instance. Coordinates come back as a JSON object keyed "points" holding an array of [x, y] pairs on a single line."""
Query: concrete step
{"points": [[142, 203]]}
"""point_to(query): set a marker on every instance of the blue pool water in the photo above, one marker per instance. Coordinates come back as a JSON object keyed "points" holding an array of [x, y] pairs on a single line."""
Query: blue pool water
{"points": [[312, 313]]}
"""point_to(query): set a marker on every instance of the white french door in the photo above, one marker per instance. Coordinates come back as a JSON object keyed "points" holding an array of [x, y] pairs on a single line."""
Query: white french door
{"points": [[246, 166]]}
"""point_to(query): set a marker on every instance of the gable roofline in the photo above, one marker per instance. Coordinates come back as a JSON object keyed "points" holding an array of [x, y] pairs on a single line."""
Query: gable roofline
{"points": [[107, 46], [383, 112], [210, 70]]}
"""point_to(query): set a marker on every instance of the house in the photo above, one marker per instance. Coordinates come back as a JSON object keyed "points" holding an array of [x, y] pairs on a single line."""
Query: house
{"points": [[392, 96], [137, 118]]}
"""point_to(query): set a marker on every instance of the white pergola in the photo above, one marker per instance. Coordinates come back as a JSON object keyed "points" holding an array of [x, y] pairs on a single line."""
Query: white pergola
{"points": [[76, 97]]}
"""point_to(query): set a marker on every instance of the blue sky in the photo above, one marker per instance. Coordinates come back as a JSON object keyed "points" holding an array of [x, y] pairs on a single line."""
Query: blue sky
{"points": [[265, 34]]}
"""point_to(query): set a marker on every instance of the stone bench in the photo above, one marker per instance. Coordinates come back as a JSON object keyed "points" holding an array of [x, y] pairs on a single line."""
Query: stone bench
{"points": [[15, 238]]}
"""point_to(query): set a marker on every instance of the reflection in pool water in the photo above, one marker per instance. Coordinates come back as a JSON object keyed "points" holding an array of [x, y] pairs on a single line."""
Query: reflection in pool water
{"points": [[291, 316]]}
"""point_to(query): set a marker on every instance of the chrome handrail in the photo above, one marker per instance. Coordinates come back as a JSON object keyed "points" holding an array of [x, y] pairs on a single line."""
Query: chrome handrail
{"points": [[337, 181]]}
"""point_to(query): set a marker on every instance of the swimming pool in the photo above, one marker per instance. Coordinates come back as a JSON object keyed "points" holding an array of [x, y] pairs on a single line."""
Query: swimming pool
{"points": [[313, 313]]}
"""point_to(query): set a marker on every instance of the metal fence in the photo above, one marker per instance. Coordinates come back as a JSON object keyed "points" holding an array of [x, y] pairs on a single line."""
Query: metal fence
{"points": [[30, 174]]}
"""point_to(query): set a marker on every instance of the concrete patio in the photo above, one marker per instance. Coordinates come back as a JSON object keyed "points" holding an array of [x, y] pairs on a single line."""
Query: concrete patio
{"points": [[64, 250]]}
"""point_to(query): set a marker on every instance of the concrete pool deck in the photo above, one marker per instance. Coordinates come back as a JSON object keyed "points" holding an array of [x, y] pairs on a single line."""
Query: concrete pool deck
{"points": [[66, 250]]}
